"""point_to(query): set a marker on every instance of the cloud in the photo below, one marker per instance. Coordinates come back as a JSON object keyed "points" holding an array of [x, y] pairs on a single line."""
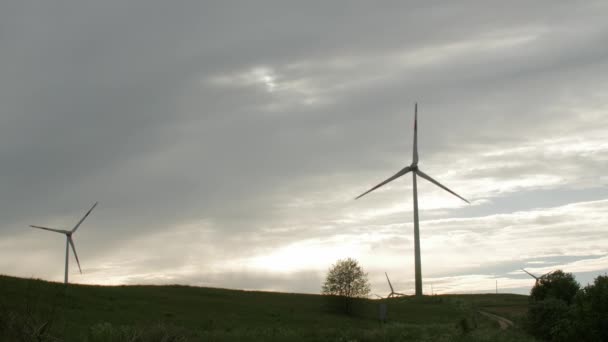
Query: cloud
{"points": [[217, 135]]}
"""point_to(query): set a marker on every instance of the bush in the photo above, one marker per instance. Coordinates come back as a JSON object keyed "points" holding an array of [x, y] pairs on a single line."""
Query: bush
{"points": [[558, 285], [592, 310], [550, 319], [558, 313]]}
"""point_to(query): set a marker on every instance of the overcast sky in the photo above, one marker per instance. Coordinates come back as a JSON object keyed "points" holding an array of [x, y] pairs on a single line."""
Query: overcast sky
{"points": [[225, 141]]}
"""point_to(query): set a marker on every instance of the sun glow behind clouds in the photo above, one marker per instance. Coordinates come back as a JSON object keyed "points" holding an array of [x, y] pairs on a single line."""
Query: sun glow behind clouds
{"points": [[306, 255], [285, 89], [255, 76]]}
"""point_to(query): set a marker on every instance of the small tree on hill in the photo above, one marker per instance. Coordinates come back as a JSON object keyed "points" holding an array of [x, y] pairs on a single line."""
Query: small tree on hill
{"points": [[347, 279], [551, 316], [558, 285]]}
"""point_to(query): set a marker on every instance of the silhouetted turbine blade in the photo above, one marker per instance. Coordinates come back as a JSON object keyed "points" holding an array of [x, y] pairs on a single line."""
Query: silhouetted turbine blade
{"points": [[415, 158], [395, 176], [51, 229], [530, 274], [389, 283], [427, 177], [84, 217], [75, 254]]}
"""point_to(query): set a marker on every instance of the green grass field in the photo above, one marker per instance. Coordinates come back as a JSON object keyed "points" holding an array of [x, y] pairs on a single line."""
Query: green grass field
{"points": [[38, 310]]}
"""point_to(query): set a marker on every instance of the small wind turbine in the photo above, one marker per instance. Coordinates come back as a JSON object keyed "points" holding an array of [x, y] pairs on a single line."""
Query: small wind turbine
{"points": [[413, 167], [393, 293], [535, 277], [69, 241]]}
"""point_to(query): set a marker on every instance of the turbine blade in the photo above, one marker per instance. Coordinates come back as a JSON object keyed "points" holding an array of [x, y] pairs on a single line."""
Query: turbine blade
{"points": [[389, 283], [415, 158], [392, 178], [51, 229], [530, 274], [427, 177], [84, 217], [74, 250]]}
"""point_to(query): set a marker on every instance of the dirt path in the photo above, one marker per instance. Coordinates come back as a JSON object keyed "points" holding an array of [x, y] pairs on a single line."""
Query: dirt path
{"points": [[503, 322]]}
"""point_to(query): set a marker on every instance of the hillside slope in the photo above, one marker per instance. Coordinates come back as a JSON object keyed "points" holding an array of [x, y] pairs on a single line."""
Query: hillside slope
{"points": [[158, 313]]}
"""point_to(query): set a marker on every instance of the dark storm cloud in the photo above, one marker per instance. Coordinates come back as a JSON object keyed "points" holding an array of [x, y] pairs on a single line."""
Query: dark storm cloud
{"points": [[257, 123]]}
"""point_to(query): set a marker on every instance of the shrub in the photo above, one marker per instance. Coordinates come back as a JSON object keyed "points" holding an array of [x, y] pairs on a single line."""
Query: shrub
{"points": [[592, 310], [551, 319], [558, 285]]}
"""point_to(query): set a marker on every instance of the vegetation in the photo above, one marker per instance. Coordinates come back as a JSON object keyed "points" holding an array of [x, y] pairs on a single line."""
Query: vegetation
{"points": [[560, 311], [346, 278], [34, 310], [345, 281], [557, 285], [592, 310]]}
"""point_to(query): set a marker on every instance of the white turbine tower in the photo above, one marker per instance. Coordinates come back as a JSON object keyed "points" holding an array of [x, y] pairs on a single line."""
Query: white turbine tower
{"points": [[413, 167], [69, 241]]}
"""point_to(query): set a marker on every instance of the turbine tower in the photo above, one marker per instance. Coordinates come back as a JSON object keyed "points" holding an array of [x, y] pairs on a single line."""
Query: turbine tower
{"points": [[69, 241], [413, 167]]}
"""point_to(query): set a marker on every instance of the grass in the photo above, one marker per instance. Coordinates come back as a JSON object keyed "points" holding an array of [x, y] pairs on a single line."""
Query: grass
{"points": [[511, 306], [42, 311]]}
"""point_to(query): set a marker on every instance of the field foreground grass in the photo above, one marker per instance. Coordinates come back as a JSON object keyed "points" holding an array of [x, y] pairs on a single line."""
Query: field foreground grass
{"points": [[43, 311]]}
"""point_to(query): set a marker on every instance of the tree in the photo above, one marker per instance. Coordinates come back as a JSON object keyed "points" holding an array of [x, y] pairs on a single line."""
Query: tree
{"points": [[551, 319], [560, 311], [592, 309], [550, 314], [347, 279], [558, 285]]}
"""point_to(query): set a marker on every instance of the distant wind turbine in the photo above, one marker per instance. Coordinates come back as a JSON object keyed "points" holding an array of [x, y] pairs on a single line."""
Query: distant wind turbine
{"points": [[69, 241], [413, 167], [535, 277], [393, 293]]}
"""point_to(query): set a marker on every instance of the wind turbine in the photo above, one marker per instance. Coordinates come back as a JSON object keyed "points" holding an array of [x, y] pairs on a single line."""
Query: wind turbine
{"points": [[393, 293], [69, 241], [535, 277], [413, 167]]}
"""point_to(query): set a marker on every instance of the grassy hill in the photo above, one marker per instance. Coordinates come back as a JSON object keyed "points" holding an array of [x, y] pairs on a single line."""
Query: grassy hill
{"points": [[33, 308]]}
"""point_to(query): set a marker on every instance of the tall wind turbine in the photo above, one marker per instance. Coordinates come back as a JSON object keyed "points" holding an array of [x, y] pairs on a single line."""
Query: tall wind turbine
{"points": [[69, 241], [413, 167], [537, 279]]}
